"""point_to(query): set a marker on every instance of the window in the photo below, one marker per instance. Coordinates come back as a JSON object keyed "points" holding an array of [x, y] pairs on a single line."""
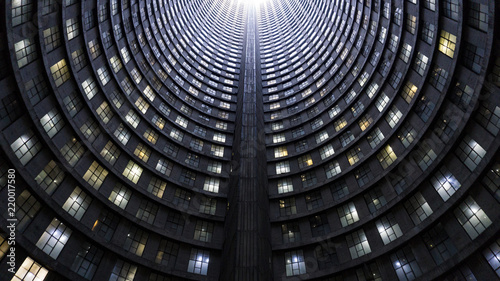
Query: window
{"points": [[167, 252], [54, 238], [425, 156], [418, 208], [411, 23], [354, 155], [363, 175], [308, 179], [285, 186], [478, 16], [52, 122], [314, 200], [29, 269], [72, 103], [203, 231], [472, 57], [105, 225], [492, 180], [365, 122], [450, 9], [122, 134], [305, 161], [104, 112], [133, 119], [22, 11], [90, 130], [339, 189], [147, 211], [120, 195], [348, 214], [123, 271], [211, 185], [381, 101], [439, 244], [50, 177], [198, 261], [428, 30], [27, 209], [37, 90], [282, 167], [462, 95], [388, 229], [430, 4], [95, 175], [447, 42], [319, 225], [492, 255], [280, 152], [103, 75], [287, 206], [290, 232], [51, 38], [26, 147], [405, 265], [386, 156], [332, 169], [470, 152], [135, 241], [488, 115], [358, 244], [156, 187], [375, 137], [187, 177], [393, 116], [445, 183], [326, 151], [409, 91], [405, 52], [472, 218], [420, 64], [375, 199], [60, 72], [208, 205], [295, 263], [110, 152], [72, 28], [87, 260], [217, 150], [25, 51], [77, 203], [407, 134]]}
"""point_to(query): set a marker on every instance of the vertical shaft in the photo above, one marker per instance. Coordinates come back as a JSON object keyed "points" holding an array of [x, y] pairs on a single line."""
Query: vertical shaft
{"points": [[247, 248]]}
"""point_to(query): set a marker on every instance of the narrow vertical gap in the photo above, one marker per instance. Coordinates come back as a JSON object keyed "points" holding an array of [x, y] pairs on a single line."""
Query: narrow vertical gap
{"points": [[247, 246]]}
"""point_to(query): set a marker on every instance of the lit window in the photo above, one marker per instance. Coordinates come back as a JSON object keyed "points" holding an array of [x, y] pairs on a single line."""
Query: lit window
{"points": [[295, 263], [386, 156], [132, 172], [445, 183], [77, 203], [348, 214], [50, 177], [26, 147], [418, 208], [472, 218], [492, 255], [358, 244], [211, 185], [332, 169], [282, 167], [405, 264], [447, 43], [72, 28], [95, 175], [198, 261], [54, 238], [123, 271], [470, 153], [388, 229], [60, 72], [25, 51], [30, 270]]}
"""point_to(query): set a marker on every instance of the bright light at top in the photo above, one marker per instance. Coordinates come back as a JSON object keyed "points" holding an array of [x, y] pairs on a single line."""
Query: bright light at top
{"points": [[254, 2]]}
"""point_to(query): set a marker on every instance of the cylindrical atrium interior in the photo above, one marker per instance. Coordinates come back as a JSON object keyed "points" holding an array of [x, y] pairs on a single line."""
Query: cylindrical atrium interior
{"points": [[224, 140]]}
